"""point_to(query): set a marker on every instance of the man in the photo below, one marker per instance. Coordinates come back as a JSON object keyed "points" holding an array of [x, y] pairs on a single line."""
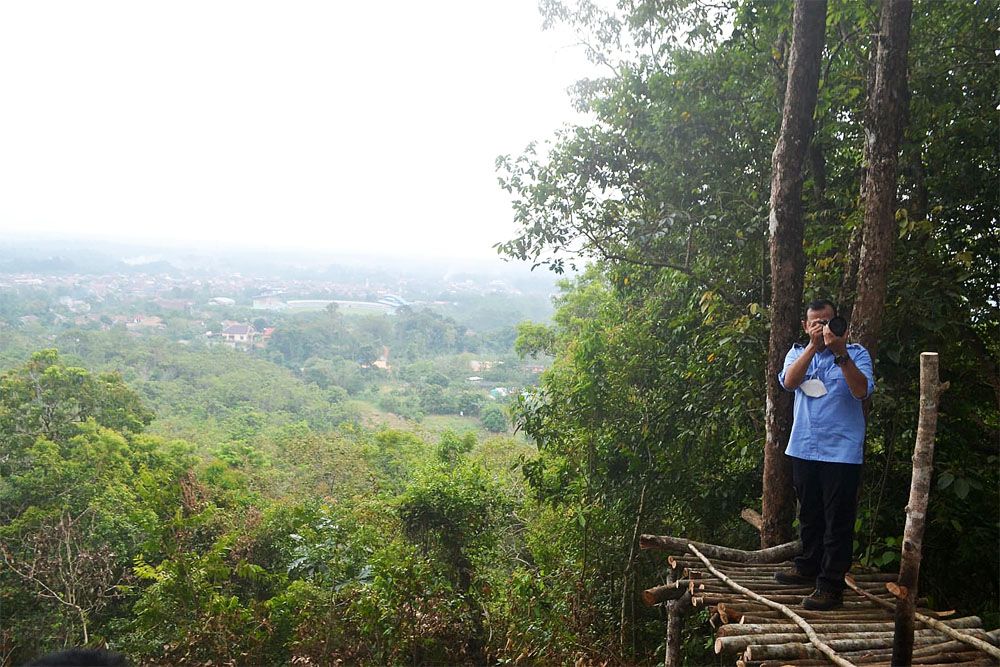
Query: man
{"points": [[830, 379]]}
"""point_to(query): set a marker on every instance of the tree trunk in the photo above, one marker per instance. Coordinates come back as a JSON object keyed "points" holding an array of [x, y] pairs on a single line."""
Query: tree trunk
{"points": [[777, 554], [888, 100], [677, 610], [916, 508], [787, 258]]}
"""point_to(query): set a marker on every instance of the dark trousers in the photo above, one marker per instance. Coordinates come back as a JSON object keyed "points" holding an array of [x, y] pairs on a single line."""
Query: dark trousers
{"points": [[828, 504]]}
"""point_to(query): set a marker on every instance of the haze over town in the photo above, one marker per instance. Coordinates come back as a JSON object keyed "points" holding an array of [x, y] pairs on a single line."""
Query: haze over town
{"points": [[355, 128]]}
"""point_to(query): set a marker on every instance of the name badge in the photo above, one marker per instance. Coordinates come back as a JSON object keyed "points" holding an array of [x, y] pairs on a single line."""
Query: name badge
{"points": [[813, 388]]}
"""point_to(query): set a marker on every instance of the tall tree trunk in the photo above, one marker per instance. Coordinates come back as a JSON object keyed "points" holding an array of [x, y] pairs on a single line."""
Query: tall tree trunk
{"points": [[787, 258], [916, 508], [888, 100]]}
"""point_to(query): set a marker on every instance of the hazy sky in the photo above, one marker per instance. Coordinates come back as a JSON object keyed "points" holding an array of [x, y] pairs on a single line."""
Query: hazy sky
{"points": [[319, 124]]}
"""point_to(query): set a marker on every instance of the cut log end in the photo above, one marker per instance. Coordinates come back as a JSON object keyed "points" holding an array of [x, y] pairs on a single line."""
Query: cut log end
{"points": [[753, 518], [897, 590]]}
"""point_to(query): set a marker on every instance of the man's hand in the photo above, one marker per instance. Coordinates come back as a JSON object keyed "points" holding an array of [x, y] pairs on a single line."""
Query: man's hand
{"points": [[836, 344], [816, 334]]}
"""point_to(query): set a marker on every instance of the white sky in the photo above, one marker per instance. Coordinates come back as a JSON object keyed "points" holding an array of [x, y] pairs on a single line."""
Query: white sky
{"points": [[317, 124]]}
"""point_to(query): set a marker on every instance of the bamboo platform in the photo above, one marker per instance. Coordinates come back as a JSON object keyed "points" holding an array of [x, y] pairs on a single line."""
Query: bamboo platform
{"points": [[756, 634]]}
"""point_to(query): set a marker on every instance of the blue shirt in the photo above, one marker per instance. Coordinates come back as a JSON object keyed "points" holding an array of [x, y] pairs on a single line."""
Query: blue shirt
{"points": [[830, 427]]}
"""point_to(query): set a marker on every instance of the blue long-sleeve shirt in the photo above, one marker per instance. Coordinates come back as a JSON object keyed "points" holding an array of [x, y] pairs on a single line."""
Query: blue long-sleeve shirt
{"points": [[829, 427]]}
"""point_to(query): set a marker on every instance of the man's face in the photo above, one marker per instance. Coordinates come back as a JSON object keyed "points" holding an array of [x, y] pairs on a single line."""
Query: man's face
{"points": [[813, 316]]}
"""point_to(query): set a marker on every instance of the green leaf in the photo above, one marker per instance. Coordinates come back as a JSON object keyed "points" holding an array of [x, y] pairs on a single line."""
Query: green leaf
{"points": [[945, 480]]}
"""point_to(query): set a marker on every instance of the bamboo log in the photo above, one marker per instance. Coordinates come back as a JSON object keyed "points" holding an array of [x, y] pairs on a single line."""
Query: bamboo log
{"points": [[925, 651], [916, 508], [826, 650], [965, 659], [660, 594], [780, 553], [725, 563], [712, 597], [771, 589], [881, 638], [766, 573], [701, 577], [751, 608], [753, 518], [737, 616], [934, 623], [846, 646], [827, 628]]}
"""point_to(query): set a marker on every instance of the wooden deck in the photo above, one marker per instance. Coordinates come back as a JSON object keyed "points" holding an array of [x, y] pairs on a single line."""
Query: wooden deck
{"points": [[753, 634]]}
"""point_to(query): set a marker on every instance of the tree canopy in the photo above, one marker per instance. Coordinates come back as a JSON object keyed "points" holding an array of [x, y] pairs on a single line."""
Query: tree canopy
{"points": [[653, 411]]}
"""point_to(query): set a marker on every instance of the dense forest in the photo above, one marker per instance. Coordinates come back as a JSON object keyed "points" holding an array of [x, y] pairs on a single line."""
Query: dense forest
{"points": [[296, 503]]}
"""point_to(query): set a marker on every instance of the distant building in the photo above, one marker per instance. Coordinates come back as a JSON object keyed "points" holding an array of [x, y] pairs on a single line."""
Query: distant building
{"points": [[393, 301], [140, 322], [239, 334], [221, 301]]}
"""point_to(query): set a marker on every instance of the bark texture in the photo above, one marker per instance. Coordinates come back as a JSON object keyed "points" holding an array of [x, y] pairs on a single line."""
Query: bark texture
{"points": [[787, 259], [776, 554], [916, 508], [888, 101], [677, 610]]}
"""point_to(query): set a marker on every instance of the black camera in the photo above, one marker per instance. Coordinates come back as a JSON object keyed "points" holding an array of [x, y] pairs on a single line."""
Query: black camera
{"points": [[838, 326]]}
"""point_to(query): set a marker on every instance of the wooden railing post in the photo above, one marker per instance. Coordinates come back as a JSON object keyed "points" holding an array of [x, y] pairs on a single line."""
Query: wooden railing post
{"points": [[916, 508]]}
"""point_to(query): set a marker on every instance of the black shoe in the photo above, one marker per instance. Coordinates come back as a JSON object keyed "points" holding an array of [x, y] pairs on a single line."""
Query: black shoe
{"points": [[791, 577], [823, 600]]}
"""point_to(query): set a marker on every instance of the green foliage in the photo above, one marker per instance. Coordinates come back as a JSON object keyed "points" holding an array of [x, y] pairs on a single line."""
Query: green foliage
{"points": [[494, 418], [452, 446], [79, 500], [47, 398], [660, 345], [288, 533], [534, 339]]}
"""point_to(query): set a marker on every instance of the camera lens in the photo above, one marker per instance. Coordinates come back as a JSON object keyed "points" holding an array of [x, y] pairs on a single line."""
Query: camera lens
{"points": [[838, 326]]}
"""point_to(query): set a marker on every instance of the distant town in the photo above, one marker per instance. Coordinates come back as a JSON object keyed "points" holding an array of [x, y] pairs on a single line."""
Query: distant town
{"points": [[141, 302]]}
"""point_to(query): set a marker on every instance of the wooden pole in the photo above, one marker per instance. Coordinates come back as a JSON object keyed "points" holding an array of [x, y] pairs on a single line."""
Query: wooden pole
{"points": [[677, 610], [776, 554], [916, 508]]}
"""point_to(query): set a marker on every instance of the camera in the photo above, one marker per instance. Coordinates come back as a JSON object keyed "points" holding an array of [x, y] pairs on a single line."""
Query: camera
{"points": [[838, 326]]}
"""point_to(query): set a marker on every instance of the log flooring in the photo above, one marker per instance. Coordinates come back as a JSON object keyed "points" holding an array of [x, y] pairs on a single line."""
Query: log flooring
{"points": [[754, 635]]}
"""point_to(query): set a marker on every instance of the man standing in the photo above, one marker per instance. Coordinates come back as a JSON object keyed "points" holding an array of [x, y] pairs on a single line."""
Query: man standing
{"points": [[830, 379]]}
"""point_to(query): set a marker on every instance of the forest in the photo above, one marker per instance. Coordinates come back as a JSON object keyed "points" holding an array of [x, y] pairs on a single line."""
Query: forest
{"points": [[181, 502]]}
